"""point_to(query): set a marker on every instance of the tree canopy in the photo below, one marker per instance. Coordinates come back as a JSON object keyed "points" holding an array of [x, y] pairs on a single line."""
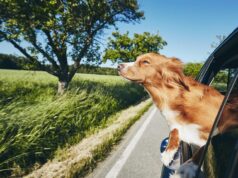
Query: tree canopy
{"points": [[123, 48], [58, 32]]}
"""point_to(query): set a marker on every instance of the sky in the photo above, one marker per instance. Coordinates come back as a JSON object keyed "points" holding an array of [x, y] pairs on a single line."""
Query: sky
{"points": [[188, 26]]}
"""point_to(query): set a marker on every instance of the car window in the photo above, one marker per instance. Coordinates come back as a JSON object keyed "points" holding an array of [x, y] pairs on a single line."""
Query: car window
{"points": [[221, 152], [222, 79], [232, 73]]}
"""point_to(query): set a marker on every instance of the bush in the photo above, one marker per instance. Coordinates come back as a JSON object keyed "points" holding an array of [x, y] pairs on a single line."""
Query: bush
{"points": [[192, 69], [88, 69]]}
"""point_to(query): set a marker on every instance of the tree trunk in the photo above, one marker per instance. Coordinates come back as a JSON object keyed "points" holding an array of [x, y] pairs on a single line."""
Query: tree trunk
{"points": [[64, 80], [62, 86]]}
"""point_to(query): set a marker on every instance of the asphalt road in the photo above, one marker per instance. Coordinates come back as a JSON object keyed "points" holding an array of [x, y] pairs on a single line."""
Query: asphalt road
{"points": [[138, 154]]}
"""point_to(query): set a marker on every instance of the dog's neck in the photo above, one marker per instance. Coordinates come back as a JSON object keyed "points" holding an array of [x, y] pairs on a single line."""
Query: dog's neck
{"points": [[172, 95], [162, 95]]}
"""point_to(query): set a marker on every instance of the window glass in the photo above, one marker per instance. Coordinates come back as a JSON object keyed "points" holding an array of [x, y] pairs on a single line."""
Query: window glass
{"points": [[220, 81], [232, 73], [223, 78], [220, 155]]}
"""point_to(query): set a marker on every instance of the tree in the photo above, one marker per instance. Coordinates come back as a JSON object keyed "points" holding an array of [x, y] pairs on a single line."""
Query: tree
{"points": [[220, 39], [54, 33], [122, 48]]}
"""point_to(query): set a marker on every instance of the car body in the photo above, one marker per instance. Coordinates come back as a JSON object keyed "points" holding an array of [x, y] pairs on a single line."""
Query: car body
{"points": [[224, 60]]}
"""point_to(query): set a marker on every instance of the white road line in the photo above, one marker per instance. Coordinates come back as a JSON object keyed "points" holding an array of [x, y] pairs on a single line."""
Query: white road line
{"points": [[113, 173]]}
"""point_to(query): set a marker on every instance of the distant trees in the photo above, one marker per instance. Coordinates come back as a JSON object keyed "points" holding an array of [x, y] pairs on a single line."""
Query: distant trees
{"points": [[8, 62], [56, 33], [192, 69], [18, 62], [123, 48], [89, 69], [15, 62]]}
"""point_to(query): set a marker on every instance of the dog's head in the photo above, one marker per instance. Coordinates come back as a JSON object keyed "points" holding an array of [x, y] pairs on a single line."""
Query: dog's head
{"points": [[153, 69]]}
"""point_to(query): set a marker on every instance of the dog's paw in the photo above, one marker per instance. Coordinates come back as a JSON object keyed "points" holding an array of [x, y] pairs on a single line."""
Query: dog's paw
{"points": [[187, 170], [167, 157]]}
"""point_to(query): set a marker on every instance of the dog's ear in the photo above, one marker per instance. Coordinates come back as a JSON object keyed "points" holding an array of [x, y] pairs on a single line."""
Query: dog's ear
{"points": [[176, 67], [182, 82]]}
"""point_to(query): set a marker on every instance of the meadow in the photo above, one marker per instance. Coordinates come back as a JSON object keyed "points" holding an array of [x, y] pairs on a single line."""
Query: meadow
{"points": [[35, 122]]}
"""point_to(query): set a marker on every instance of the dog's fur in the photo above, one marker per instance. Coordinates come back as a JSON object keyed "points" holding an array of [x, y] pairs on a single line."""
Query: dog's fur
{"points": [[188, 106]]}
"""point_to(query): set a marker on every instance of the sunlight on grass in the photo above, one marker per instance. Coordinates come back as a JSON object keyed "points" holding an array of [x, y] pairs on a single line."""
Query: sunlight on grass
{"points": [[34, 121]]}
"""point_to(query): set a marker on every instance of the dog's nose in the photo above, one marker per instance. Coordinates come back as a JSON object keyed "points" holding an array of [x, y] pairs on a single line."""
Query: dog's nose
{"points": [[120, 66]]}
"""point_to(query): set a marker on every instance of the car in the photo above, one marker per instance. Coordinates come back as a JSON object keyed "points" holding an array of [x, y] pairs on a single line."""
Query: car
{"points": [[220, 156]]}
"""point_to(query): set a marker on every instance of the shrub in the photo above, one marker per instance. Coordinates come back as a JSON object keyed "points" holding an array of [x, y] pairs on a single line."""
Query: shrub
{"points": [[192, 69]]}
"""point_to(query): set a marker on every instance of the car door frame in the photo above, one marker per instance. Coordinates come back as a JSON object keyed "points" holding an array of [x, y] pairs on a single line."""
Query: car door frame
{"points": [[231, 171]]}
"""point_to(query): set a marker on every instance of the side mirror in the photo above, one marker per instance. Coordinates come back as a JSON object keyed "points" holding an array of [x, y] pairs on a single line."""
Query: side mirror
{"points": [[164, 144], [175, 163]]}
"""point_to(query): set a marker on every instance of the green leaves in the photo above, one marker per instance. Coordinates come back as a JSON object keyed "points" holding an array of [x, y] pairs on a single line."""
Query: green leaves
{"points": [[122, 48], [62, 31], [192, 69]]}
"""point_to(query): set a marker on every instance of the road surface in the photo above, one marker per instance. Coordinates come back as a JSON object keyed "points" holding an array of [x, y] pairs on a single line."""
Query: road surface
{"points": [[138, 154]]}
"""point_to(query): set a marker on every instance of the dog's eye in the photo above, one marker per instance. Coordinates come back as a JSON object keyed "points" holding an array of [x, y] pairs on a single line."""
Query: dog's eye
{"points": [[146, 62]]}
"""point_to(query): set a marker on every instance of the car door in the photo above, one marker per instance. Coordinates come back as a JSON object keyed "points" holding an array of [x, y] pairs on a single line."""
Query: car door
{"points": [[220, 157], [222, 63], [221, 71]]}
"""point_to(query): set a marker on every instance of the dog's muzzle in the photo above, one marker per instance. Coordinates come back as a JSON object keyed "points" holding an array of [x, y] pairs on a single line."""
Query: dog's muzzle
{"points": [[120, 67]]}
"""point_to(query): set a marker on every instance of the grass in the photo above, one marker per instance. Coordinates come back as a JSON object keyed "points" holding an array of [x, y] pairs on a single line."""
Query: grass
{"points": [[100, 152], [35, 122], [82, 158]]}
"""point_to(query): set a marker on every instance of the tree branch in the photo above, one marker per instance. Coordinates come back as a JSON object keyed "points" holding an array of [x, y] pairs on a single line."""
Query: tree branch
{"points": [[41, 66], [25, 53], [45, 54], [51, 42], [86, 46], [61, 55]]}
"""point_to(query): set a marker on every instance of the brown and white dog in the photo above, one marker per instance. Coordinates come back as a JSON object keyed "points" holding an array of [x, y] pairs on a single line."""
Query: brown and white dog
{"points": [[188, 106]]}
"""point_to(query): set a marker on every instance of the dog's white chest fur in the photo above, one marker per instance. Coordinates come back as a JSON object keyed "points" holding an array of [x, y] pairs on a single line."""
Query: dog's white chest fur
{"points": [[187, 132]]}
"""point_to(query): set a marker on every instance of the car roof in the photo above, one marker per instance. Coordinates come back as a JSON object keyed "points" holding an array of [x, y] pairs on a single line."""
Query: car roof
{"points": [[226, 54]]}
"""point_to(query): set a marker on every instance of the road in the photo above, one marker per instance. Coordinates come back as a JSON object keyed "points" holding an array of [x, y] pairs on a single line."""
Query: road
{"points": [[138, 154]]}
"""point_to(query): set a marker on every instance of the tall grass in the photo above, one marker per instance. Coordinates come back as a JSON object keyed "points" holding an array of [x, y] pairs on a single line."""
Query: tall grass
{"points": [[34, 121]]}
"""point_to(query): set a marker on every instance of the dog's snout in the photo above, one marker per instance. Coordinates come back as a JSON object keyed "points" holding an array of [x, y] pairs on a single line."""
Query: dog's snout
{"points": [[120, 66]]}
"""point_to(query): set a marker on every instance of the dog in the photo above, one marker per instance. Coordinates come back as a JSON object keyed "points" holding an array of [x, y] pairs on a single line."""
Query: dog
{"points": [[188, 106]]}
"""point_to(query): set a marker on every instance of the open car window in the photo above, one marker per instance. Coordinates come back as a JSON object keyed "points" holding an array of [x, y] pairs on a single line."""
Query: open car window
{"points": [[222, 79], [220, 158]]}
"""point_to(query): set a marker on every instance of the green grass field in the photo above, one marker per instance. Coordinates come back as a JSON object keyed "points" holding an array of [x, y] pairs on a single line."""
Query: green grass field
{"points": [[35, 122]]}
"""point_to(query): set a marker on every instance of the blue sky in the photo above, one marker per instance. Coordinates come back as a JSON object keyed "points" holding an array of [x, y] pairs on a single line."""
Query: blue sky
{"points": [[189, 26]]}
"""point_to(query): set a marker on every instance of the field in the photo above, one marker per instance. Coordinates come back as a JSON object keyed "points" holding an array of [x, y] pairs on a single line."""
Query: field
{"points": [[35, 122]]}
